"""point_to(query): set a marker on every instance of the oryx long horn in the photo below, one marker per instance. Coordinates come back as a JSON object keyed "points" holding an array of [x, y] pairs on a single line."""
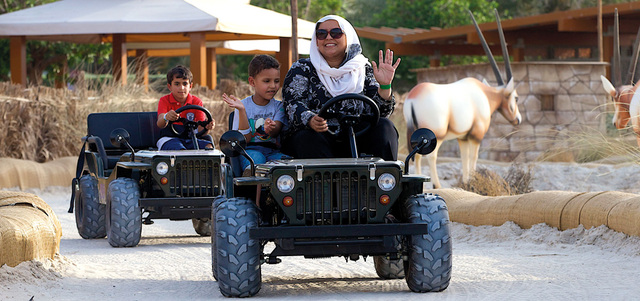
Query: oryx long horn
{"points": [[505, 53], [616, 51], [494, 66], [634, 60]]}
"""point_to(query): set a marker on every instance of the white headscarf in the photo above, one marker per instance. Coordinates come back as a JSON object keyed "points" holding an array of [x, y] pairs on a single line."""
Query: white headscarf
{"points": [[348, 78]]}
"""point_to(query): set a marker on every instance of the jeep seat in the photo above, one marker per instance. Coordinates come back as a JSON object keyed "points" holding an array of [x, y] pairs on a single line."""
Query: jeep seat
{"points": [[141, 127]]}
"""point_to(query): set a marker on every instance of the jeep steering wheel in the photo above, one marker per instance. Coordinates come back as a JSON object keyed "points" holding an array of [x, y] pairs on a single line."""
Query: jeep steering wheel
{"points": [[190, 125], [361, 123]]}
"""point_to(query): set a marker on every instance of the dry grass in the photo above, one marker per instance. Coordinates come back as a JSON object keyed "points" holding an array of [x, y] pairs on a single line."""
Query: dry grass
{"points": [[489, 183], [590, 145], [42, 124]]}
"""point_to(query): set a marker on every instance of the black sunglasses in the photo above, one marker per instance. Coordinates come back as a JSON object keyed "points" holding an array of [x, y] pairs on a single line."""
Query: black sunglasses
{"points": [[335, 33]]}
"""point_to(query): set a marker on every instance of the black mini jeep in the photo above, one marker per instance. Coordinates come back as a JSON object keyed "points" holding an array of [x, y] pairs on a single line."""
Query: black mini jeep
{"points": [[123, 181], [349, 207]]}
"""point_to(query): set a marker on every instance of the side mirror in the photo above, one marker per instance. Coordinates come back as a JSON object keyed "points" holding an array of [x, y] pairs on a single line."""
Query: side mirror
{"points": [[231, 142], [118, 136], [423, 141]]}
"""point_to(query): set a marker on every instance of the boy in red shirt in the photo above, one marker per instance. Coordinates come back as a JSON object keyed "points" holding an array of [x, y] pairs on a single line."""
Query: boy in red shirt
{"points": [[180, 82]]}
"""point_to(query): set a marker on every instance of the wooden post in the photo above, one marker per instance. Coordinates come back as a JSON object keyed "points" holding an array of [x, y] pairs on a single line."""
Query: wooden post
{"points": [[198, 58], [59, 78], [142, 68], [294, 29], [284, 57], [119, 58], [600, 41], [607, 53], [212, 68], [434, 60], [18, 58]]}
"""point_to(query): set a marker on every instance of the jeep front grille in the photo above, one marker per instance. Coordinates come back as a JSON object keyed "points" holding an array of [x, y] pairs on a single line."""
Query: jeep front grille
{"points": [[195, 178], [336, 198]]}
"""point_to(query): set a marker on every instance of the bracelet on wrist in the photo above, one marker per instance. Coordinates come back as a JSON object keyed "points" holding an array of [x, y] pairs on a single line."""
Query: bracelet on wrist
{"points": [[165, 117], [385, 87]]}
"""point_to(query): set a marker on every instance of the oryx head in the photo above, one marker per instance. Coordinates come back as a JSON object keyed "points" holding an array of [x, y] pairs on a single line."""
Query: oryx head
{"points": [[620, 91], [509, 102]]}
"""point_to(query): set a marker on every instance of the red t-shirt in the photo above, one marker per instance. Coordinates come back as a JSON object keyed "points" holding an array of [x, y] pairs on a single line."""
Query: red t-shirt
{"points": [[168, 103]]}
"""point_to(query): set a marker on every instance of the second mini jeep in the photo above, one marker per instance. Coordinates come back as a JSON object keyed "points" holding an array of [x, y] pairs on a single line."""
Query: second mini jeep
{"points": [[123, 181], [350, 207]]}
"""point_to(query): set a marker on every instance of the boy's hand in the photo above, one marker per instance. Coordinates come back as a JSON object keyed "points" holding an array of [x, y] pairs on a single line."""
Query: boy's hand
{"points": [[269, 126], [233, 102], [211, 125], [172, 115]]}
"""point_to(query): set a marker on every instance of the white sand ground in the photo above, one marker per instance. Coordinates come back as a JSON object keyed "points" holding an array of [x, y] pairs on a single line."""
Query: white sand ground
{"points": [[489, 263]]}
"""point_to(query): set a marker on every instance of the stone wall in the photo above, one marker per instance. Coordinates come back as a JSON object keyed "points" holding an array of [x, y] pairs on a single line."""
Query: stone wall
{"points": [[554, 99]]}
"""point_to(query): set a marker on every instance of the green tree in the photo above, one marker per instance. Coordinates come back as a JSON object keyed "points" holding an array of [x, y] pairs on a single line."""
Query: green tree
{"points": [[415, 14], [523, 8], [307, 9]]}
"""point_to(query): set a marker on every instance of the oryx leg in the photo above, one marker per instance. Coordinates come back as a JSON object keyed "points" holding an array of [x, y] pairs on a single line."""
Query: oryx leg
{"points": [[469, 155], [474, 147], [464, 158], [418, 165], [431, 159]]}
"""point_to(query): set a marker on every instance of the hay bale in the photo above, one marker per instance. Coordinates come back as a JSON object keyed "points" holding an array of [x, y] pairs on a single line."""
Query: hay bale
{"points": [[473, 209], [595, 212], [30, 174], [570, 216], [560, 209], [541, 207], [29, 229], [625, 216]]}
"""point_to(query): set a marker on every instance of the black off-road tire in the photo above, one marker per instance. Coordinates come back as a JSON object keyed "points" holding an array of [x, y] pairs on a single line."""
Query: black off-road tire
{"points": [[124, 226], [90, 214], [214, 249], [388, 268], [428, 268], [238, 256], [202, 226]]}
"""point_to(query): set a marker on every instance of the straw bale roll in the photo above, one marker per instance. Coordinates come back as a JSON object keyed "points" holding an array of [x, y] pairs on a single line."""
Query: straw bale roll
{"points": [[541, 207], [29, 229], [560, 209], [595, 212], [625, 217], [26, 174]]}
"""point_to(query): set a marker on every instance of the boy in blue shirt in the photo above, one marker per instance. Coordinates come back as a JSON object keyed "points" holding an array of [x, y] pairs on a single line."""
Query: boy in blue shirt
{"points": [[260, 117]]}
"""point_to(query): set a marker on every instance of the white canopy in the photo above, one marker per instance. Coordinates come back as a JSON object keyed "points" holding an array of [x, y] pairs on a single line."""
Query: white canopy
{"points": [[92, 18], [123, 22], [239, 46]]}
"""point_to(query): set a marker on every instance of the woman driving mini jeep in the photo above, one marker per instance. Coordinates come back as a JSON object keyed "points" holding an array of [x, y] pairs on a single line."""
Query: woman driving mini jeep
{"points": [[336, 66]]}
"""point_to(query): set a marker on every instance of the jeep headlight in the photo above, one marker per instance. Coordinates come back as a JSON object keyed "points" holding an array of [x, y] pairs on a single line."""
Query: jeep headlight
{"points": [[285, 183], [386, 181], [162, 168]]}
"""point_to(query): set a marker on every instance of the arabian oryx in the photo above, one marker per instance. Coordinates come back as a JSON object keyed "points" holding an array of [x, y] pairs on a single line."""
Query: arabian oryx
{"points": [[625, 99], [462, 110]]}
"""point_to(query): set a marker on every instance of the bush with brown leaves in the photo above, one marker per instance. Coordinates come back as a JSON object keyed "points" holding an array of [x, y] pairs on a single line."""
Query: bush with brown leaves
{"points": [[489, 183]]}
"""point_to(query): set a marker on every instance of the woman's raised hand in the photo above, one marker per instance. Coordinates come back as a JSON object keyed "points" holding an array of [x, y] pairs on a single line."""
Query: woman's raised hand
{"points": [[386, 69]]}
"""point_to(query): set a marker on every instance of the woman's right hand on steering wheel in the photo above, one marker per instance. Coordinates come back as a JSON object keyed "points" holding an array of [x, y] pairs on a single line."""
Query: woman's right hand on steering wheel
{"points": [[318, 124]]}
